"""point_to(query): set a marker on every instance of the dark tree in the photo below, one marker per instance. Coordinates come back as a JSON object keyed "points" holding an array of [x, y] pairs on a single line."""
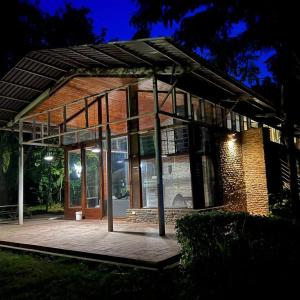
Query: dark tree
{"points": [[23, 27], [268, 25]]}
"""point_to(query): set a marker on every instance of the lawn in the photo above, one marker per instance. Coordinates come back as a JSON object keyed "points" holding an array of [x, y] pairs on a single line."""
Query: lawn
{"points": [[33, 276], [53, 208]]}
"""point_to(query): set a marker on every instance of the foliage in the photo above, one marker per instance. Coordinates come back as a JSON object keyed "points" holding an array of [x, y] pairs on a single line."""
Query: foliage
{"points": [[235, 252], [44, 179], [233, 34], [8, 167], [27, 28], [45, 277], [53, 208], [237, 238], [281, 204]]}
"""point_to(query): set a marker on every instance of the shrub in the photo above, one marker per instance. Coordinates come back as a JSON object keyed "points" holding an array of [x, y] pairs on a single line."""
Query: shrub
{"points": [[235, 239]]}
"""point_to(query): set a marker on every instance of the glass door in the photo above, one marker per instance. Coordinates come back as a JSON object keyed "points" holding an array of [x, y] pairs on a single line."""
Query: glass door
{"points": [[93, 195], [75, 181]]}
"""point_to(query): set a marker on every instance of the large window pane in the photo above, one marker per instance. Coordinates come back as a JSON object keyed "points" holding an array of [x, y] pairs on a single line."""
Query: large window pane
{"points": [[176, 181], [120, 182], [75, 168], [92, 179]]}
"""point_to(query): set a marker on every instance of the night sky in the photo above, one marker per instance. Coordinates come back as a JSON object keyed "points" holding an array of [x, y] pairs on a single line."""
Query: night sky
{"points": [[114, 15], [111, 14]]}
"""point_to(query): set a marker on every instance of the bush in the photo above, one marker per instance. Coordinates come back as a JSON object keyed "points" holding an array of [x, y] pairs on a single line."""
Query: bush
{"points": [[229, 253], [221, 237]]}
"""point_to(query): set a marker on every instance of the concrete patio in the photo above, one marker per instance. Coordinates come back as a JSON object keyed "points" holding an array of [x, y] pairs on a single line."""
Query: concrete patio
{"points": [[130, 244]]}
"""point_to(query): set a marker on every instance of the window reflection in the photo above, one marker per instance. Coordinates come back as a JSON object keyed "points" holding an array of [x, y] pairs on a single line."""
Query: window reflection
{"points": [[92, 179], [75, 171]]}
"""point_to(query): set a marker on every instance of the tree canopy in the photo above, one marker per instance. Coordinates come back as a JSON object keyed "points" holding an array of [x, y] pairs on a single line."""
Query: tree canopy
{"points": [[24, 27], [210, 26]]}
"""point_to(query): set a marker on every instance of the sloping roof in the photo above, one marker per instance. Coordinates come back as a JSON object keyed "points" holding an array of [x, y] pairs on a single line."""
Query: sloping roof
{"points": [[44, 69]]}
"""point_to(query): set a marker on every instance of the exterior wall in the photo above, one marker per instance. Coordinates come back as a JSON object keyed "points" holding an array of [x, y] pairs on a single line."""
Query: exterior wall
{"points": [[232, 174], [243, 172], [254, 164], [149, 215]]}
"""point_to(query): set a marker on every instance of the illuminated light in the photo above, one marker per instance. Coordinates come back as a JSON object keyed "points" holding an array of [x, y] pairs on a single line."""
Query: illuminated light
{"points": [[232, 137], [96, 149], [78, 169], [231, 143], [48, 157]]}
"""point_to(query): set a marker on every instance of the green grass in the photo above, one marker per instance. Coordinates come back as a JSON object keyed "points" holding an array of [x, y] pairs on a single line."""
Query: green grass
{"points": [[26, 276], [54, 208]]}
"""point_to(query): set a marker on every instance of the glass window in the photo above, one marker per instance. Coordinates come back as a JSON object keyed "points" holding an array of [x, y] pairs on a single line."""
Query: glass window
{"points": [[147, 145], [120, 180], [176, 182], [75, 173]]}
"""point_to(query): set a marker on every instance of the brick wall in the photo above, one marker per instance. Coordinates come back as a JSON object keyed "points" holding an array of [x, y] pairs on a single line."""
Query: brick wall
{"points": [[243, 172], [149, 215], [232, 174], [254, 164]]}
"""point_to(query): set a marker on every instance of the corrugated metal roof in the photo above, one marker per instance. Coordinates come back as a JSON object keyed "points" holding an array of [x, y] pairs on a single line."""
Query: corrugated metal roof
{"points": [[43, 69]]}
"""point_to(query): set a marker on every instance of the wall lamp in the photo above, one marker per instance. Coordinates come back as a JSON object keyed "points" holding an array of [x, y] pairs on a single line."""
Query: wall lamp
{"points": [[232, 137]]}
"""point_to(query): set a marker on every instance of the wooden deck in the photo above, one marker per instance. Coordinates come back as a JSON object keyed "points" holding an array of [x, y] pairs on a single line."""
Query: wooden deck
{"points": [[129, 244]]}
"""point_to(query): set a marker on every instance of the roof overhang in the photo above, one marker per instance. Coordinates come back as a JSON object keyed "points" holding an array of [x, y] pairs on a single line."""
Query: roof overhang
{"points": [[40, 73]]}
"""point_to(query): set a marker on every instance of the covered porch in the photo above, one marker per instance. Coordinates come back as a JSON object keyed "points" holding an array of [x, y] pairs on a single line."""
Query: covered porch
{"points": [[140, 122], [130, 244]]}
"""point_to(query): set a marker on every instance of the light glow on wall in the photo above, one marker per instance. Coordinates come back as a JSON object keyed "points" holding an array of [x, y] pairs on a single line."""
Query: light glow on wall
{"points": [[231, 144]]}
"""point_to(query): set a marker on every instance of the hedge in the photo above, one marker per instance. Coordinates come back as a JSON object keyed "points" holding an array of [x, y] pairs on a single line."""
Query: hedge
{"points": [[237, 238]]}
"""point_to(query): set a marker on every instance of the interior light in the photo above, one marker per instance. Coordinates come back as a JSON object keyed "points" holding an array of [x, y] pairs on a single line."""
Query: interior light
{"points": [[232, 137], [96, 149], [48, 157]]}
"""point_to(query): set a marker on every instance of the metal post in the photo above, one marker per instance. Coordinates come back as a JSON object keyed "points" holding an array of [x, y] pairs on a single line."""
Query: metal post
{"points": [[190, 106], [158, 161], [108, 168], [48, 123], [42, 132], [174, 110], [21, 175], [86, 110]]}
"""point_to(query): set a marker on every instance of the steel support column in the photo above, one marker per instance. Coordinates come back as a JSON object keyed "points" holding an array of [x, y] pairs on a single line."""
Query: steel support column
{"points": [[21, 175], [110, 224], [158, 161]]}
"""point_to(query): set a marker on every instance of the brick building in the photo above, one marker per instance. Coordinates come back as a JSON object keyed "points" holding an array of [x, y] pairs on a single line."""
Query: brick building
{"points": [[150, 131]]}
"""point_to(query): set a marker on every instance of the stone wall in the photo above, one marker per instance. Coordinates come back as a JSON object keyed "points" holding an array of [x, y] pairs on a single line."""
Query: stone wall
{"points": [[243, 171], [149, 215], [254, 164], [232, 173]]}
